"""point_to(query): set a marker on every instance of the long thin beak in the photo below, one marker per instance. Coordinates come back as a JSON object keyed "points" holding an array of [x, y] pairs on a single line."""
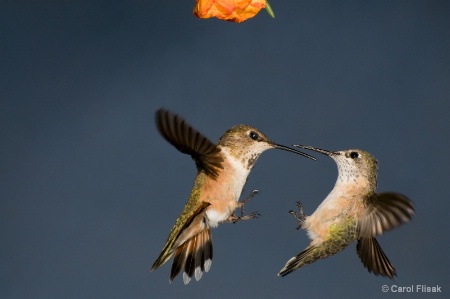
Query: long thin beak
{"points": [[285, 148], [319, 150]]}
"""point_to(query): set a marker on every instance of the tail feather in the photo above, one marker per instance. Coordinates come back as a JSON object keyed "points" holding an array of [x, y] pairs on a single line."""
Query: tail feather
{"points": [[190, 260], [203, 258], [199, 261], [194, 257], [196, 261], [178, 261]]}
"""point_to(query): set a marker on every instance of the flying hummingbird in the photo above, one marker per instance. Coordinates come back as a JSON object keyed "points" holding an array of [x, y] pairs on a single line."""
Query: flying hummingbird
{"points": [[352, 211], [222, 171]]}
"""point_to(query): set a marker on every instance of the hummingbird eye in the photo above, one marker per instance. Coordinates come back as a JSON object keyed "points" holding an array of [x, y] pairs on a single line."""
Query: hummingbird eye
{"points": [[354, 155], [253, 135]]}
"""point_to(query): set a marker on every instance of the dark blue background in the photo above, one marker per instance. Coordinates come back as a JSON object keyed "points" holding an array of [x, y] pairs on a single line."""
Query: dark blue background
{"points": [[89, 190]]}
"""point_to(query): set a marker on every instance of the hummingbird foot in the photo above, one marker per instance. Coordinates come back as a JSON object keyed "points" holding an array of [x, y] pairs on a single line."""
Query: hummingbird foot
{"points": [[254, 192], [300, 216], [233, 218]]}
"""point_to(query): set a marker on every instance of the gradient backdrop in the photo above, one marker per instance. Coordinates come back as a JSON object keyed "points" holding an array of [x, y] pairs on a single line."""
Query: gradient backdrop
{"points": [[89, 190]]}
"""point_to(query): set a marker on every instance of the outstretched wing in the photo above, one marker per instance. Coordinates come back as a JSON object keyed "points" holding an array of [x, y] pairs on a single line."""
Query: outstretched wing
{"points": [[385, 211], [189, 141]]}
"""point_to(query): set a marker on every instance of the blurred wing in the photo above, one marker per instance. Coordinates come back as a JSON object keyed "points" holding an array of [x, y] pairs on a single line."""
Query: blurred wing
{"points": [[385, 211], [373, 257], [306, 257], [189, 141]]}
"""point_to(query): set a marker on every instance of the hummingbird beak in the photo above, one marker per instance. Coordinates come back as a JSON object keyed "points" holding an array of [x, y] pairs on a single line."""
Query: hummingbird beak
{"points": [[319, 150], [285, 148]]}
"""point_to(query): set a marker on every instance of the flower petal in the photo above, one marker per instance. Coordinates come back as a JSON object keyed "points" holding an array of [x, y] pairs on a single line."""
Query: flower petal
{"points": [[229, 10]]}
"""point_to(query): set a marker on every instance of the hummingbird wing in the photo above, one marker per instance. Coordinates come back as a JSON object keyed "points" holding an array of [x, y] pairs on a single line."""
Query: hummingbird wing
{"points": [[313, 253], [385, 211], [373, 257], [189, 141], [306, 257]]}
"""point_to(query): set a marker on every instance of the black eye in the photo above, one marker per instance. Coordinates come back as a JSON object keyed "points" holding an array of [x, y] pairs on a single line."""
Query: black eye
{"points": [[254, 135], [354, 155]]}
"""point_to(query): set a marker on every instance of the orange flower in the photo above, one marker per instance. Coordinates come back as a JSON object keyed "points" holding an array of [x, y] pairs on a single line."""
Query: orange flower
{"points": [[230, 10]]}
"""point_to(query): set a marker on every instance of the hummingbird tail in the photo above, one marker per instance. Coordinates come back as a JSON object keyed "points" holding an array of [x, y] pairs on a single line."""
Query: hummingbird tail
{"points": [[373, 257], [306, 257], [194, 256]]}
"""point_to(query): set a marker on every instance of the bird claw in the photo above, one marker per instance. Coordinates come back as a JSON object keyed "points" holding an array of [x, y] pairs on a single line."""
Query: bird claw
{"points": [[253, 193], [233, 218], [300, 216]]}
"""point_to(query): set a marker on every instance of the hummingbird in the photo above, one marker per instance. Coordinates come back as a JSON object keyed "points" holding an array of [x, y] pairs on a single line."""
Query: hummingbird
{"points": [[222, 171], [352, 211]]}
